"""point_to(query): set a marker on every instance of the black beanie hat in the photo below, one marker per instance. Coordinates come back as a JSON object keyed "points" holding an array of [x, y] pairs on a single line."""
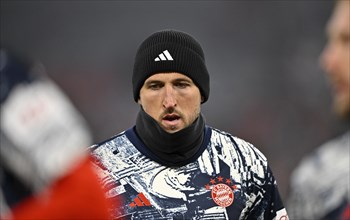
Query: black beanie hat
{"points": [[170, 51]]}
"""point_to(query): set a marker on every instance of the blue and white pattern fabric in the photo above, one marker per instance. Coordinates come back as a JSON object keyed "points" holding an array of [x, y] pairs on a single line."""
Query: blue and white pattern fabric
{"points": [[231, 179]]}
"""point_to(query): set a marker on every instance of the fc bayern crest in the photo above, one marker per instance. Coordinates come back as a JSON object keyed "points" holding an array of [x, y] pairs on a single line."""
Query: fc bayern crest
{"points": [[222, 191], [222, 195]]}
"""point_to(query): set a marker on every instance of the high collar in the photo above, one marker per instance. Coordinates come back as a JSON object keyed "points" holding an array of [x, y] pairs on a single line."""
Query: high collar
{"points": [[172, 148]]}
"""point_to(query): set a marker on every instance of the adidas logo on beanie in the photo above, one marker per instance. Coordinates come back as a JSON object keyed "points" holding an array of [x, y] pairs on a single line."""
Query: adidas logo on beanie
{"points": [[170, 51]]}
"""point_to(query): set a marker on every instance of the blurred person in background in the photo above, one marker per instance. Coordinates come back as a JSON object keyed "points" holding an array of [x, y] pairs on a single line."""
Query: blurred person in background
{"points": [[320, 185], [45, 170], [171, 165]]}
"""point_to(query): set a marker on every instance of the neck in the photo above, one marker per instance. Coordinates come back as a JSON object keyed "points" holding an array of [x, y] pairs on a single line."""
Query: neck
{"points": [[172, 148]]}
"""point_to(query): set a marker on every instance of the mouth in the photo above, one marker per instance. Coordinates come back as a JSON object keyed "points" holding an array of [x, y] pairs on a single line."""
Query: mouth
{"points": [[171, 122], [339, 88], [171, 117]]}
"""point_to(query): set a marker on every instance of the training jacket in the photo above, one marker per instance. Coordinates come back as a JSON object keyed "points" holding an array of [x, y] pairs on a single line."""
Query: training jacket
{"points": [[320, 185], [230, 179]]}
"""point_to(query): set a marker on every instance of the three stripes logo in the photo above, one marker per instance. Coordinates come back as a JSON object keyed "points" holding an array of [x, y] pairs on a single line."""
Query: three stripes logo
{"points": [[165, 55], [140, 200]]}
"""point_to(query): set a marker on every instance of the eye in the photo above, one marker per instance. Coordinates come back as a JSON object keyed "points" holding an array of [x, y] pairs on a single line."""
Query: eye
{"points": [[182, 85], [154, 86]]}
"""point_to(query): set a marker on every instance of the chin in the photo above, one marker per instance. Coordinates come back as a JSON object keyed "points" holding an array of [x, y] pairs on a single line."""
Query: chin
{"points": [[171, 130], [342, 110]]}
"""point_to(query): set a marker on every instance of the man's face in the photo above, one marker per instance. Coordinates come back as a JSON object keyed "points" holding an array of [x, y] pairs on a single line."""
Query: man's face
{"points": [[172, 99], [335, 58]]}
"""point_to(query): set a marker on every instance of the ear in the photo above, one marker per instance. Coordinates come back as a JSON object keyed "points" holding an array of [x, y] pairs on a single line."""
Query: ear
{"points": [[202, 99], [139, 101]]}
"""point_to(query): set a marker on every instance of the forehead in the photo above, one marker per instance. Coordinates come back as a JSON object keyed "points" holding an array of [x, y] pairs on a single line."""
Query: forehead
{"points": [[340, 20], [168, 77]]}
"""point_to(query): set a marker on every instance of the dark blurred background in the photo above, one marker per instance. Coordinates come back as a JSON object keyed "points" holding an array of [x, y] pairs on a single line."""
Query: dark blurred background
{"points": [[266, 84]]}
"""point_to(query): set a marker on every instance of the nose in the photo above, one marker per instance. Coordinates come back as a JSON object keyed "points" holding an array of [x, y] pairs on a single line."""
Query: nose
{"points": [[169, 100], [329, 58]]}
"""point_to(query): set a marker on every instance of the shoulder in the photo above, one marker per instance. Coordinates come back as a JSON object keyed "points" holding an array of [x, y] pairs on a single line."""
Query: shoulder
{"points": [[335, 146], [323, 159], [239, 154], [242, 147], [109, 143]]}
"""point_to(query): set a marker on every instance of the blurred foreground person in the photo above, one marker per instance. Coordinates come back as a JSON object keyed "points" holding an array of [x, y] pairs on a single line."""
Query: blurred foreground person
{"points": [[171, 165], [320, 186], [45, 171]]}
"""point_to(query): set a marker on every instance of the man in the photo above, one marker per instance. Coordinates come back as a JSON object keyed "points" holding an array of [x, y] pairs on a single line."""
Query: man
{"points": [[320, 186], [45, 171], [171, 165]]}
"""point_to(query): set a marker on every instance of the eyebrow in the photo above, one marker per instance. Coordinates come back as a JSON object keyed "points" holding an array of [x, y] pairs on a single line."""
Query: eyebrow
{"points": [[175, 80], [153, 81], [182, 80]]}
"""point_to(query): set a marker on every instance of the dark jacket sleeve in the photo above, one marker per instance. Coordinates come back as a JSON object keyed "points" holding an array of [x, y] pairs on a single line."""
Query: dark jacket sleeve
{"points": [[271, 206]]}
